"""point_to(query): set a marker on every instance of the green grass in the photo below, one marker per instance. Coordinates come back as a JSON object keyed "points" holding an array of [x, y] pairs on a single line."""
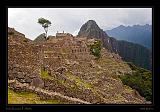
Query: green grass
{"points": [[128, 89], [79, 82], [28, 98], [44, 74]]}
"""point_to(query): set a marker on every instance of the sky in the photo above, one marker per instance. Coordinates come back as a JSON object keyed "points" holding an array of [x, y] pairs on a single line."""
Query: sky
{"points": [[70, 20]]}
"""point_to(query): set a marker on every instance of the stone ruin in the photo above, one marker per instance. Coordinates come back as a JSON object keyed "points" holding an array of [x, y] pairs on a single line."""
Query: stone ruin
{"points": [[16, 33], [51, 55], [61, 35], [61, 55], [15, 37]]}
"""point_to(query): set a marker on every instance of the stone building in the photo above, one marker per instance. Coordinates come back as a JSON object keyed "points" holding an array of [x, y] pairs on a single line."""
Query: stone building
{"points": [[61, 35]]}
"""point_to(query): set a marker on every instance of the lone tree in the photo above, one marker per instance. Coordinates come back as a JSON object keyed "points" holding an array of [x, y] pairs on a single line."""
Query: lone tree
{"points": [[45, 24]]}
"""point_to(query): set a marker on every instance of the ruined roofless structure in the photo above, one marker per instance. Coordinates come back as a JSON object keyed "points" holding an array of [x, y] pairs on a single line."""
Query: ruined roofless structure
{"points": [[60, 35]]}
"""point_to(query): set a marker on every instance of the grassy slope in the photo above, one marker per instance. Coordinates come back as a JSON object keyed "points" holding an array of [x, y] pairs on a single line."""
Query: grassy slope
{"points": [[27, 98]]}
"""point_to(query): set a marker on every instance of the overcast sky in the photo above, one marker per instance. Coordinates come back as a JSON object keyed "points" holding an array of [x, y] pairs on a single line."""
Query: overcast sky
{"points": [[70, 20]]}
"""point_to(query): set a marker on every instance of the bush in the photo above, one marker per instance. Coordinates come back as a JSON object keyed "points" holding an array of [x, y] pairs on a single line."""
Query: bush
{"points": [[141, 80]]}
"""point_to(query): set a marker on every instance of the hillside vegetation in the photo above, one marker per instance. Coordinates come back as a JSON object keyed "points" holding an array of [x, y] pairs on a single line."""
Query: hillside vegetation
{"points": [[141, 80]]}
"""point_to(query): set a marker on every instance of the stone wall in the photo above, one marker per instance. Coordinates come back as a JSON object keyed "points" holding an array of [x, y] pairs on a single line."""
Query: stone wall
{"points": [[63, 35], [49, 55], [44, 94]]}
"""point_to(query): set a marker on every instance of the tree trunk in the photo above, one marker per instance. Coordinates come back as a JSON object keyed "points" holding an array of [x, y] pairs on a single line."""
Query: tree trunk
{"points": [[46, 30]]}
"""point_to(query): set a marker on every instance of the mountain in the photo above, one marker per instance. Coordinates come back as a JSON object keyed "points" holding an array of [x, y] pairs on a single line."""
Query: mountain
{"points": [[91, 30], [66, 72], [140, 34], [139, 55]]}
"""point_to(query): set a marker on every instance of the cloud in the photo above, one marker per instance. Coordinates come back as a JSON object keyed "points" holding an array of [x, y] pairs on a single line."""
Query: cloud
{"points": [[71, 19]]}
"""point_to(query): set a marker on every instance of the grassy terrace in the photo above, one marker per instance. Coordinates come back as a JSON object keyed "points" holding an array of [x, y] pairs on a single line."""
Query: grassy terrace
{"points": [[28, 98], [80, 83], [44, 74]]}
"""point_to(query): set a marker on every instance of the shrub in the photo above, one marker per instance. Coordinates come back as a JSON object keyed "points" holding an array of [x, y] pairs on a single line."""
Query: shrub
{"points": [[96, 48]]}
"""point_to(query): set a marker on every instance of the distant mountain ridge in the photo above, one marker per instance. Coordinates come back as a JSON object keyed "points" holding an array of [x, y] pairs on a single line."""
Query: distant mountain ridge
{"points": [[140, 34], [139, 55]]}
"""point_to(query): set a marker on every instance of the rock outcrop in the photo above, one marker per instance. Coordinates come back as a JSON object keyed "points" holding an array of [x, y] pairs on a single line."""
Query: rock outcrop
{"points": [[91, 29], [40, 38]]}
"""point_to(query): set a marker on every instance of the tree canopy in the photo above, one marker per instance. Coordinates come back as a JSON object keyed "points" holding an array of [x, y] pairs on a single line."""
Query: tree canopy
{"points": [[45, 24]]}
